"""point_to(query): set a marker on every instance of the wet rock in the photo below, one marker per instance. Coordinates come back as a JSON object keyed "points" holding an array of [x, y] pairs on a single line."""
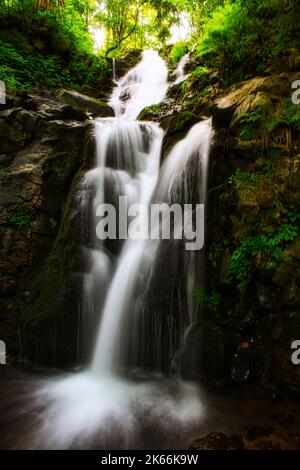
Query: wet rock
{"points": [[218, 441], [284, 418], [246, 366], [267, 299], [176, 126], [45, 145], [213, 353], [84, 103], [257, 431], [222, 116]]}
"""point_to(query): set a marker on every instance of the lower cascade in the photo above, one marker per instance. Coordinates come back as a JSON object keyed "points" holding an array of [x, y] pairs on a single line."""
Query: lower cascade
{"points": [[138, 303]]}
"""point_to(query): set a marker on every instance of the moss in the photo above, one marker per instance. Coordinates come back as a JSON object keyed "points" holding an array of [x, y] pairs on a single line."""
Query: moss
{"points": [[176, 127], [55, 282], [151, 112]]}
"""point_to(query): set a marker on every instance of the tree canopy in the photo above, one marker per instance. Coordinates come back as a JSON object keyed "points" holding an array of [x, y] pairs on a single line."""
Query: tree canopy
{"points": [[237, 36]]}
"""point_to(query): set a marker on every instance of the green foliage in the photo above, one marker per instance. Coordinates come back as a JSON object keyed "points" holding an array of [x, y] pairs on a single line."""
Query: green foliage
{"points": [[292, 115], [210, 300], [249, 123], [215, 251], [47, 44], [241, 38], [267, 246], [25, 70], [178, 51], [244, 179], [199, 71], [21, 217]]}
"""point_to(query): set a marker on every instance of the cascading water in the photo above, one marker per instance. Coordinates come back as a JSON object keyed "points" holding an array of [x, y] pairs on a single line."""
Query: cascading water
{"points": [[180, 74], [138, 188], [144, 85], [137, 291], [114, 70]]}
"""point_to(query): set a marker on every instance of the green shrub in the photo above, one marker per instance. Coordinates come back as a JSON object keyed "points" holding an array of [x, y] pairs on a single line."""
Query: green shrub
{"points": [[210, 300], [268, 245], [242, 38], [21, 217], [292, 115], [244, 179], [178, 51], [215, 251]]}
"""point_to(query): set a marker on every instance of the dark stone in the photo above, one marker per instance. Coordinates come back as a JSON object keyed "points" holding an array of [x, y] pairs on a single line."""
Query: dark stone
{"points": [[218, 441], [257, 431], [45, 146], [246, 366], [84, 103], [221, 116]]}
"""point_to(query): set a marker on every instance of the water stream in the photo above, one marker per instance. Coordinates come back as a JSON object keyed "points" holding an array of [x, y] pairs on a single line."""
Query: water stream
{"points": [[138, 301]]}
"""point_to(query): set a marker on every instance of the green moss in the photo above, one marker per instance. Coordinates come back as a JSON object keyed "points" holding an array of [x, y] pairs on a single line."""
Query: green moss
{"points": [[176, 127], [268, 246], [178, 51], [150, 112], [244, 180], [210, 300], [215, 251], [54, 284], [21, 216]]}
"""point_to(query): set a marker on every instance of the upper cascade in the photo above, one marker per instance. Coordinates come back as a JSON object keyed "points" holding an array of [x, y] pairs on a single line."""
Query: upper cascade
{"points": [[144, 85], [180, 70]]}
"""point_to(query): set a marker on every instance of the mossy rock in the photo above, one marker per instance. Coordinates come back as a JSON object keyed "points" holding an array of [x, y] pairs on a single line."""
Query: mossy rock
{"points": [[176, 127], [84, 103]]}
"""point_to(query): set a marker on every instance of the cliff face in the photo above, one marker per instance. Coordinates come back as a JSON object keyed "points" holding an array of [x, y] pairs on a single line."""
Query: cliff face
{"points": [[251, 296], [253, 232], [45, 146]]}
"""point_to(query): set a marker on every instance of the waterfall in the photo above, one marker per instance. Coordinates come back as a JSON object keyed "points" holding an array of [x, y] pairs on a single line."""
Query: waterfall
{"points": [[142, 86], [138, 188], [123, 275], [127, 163], [164, 307], [138, 302], [114, 70], [180, 74]]}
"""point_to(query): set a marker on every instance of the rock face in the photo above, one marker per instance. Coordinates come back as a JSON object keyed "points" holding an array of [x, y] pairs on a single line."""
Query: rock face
{"points": [[44, 149], [252, 310], [253, 229], [84, 103]]}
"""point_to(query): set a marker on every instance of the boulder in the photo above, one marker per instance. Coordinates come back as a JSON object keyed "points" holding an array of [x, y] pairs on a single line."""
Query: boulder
{"points": [[84, 103], [44, 146]]}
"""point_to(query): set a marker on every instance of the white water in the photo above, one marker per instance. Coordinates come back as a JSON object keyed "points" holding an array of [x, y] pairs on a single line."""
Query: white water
{"points": [[117, 283], [188, 155], [180, 74], [141, 184], [114, 70], [144, 85]]}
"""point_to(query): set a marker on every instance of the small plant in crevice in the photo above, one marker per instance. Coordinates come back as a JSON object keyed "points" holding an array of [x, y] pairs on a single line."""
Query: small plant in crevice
{"points": [[265, 249], [21, 216], [214, 252], [249, 123], [178, 51], [209, 299], [244, 179]]}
